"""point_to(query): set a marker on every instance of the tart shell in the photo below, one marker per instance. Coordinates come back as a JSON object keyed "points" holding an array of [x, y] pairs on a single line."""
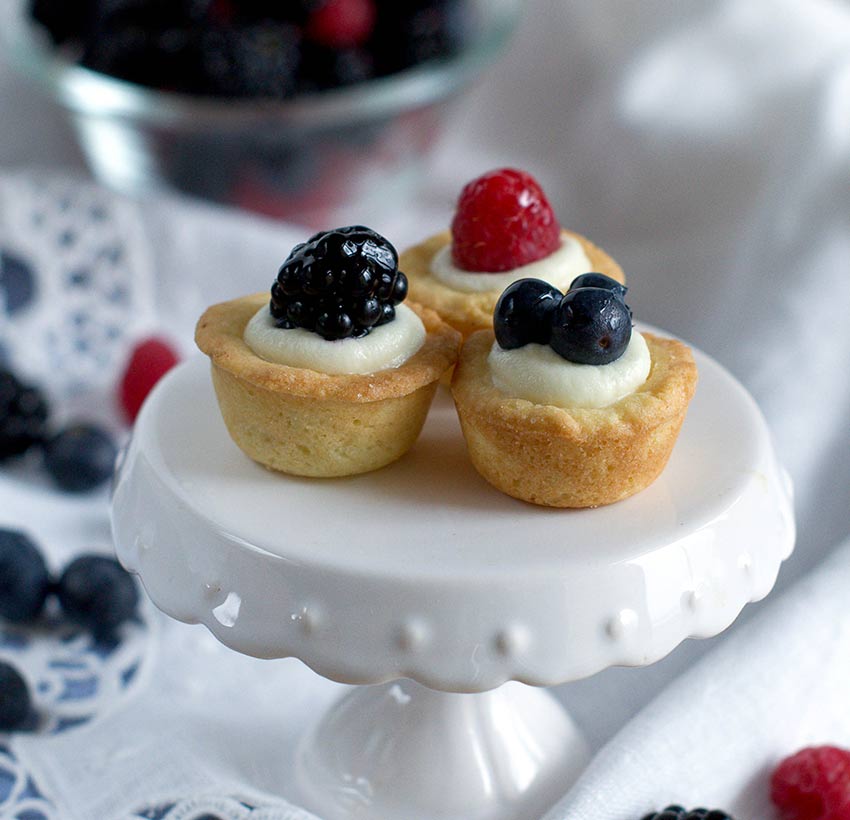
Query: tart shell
{"points": [[468, 312], [558, 457], [308, 423]]}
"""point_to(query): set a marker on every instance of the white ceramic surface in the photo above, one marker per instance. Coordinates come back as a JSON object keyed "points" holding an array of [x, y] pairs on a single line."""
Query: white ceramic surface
{"points": [[421, 570], [401, 751]]}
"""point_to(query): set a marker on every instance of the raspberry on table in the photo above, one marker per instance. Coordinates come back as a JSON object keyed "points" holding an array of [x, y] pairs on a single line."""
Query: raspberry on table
{"points": [[813, 784], [149, 361], [503, 221]]}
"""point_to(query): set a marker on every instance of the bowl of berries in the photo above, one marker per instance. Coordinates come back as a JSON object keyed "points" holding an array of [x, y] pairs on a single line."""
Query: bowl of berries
{"points": [[292, 109]]}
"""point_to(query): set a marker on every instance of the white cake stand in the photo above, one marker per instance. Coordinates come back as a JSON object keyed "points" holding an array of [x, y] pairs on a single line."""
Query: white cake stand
{"points": [[423, 572]]}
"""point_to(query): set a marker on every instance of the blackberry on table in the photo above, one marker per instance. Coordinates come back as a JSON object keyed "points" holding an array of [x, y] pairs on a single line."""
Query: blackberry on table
{"points": [[340, 283], [23, 416], [681, 813]]}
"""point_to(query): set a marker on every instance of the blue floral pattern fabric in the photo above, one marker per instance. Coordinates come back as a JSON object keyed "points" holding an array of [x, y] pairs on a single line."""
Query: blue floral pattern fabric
{"points": [[73, 679]]}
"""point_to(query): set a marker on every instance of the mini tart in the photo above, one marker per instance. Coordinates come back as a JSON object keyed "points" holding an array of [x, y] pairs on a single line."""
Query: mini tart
{"points": [[468, 312], [308, 423], [576, 457]]}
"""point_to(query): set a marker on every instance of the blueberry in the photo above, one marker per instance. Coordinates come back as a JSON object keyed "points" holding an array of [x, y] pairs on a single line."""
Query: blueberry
{"points": [[524, 313], [15, 702], [591, 326], [98, 593], [24, 580], [598, 280], [80, 458]]}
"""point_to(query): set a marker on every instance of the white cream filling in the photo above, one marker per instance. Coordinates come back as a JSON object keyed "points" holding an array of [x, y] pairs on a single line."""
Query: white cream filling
{"points": [[538, 374], [385, 347], [558, 269]]}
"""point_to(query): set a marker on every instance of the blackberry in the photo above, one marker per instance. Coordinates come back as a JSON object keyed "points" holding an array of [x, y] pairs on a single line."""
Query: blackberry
{"points": [[680, 813], [340, 283], [23, 416]]}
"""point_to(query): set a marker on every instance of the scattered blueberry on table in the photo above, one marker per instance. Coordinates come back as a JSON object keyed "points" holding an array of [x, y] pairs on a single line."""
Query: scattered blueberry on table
{"points": [[24, 578], [98, 593], [80, 458], [15, 701]]}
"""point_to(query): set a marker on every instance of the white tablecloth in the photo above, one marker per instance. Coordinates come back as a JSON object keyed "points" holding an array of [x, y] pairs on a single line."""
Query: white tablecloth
{"points": [[707, 146]]}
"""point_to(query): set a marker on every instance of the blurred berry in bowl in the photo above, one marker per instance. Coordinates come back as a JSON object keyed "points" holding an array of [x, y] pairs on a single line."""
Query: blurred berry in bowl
{"points": [[289, 107]]}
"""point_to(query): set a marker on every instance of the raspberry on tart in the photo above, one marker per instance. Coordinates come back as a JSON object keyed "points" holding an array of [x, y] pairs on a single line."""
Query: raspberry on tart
{"points": [[504, 229], [503, 221]]}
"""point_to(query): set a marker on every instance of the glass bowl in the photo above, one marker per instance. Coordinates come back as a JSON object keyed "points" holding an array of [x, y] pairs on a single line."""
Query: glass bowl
{"points": [[362, 147]]}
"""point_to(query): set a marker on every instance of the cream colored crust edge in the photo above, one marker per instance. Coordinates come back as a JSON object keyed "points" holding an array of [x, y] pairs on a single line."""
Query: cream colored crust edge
{"points": [[573, 458], [468, 312], [219, 335]]}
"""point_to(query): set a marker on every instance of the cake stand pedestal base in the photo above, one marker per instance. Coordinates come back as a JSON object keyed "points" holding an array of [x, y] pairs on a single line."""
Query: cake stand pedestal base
{"points": [[400, 751]]}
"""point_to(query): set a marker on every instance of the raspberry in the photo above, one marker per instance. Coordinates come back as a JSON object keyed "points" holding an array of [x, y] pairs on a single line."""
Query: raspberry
{"points": [[813, 784], [342, 23], [503, 221], [149, 362]]}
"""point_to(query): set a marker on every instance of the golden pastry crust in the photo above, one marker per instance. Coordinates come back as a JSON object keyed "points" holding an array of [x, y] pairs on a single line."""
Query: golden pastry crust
{"points": [[303, 422], [468, 312], [556, 457]]}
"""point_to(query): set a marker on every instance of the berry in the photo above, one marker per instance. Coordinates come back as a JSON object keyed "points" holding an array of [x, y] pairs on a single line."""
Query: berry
{"points": [[680, 813], [813, 784], [259, 60], [150, 360], [340, 283], [15, 702], [80, 458], [503, 221], [524, 313], [598, 280], [591, 326], [98, 593], [24, 579], [341, 23], [23, 416]]}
